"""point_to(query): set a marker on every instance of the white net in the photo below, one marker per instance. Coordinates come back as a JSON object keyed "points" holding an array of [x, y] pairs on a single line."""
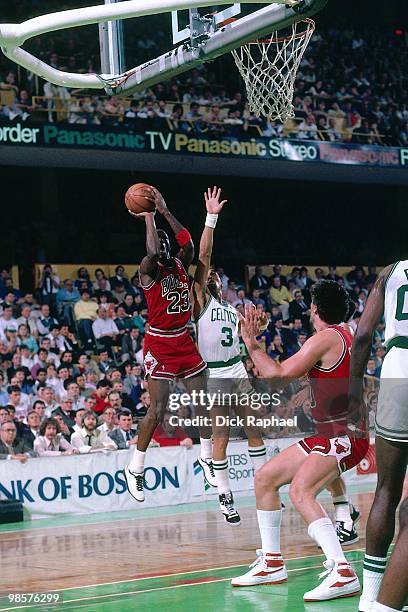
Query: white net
{"points": [[269, 68]]}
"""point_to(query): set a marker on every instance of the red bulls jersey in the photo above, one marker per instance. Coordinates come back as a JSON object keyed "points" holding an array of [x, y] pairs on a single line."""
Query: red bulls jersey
{"points": [[330, 387], [168, 299]]}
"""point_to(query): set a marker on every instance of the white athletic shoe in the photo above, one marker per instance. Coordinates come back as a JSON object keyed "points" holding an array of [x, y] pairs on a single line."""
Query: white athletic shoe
{"points": [[208, 469], [267, 568], [340, 580], [134, 483]]}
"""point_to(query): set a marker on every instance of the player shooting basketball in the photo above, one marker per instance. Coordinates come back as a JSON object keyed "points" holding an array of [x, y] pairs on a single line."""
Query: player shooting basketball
{"points": [[168, 348], [315, 462], [218, 342]]}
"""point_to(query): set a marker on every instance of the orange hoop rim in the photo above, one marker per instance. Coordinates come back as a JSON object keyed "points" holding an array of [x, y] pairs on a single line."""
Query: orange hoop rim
{"points": [[298, 36]]}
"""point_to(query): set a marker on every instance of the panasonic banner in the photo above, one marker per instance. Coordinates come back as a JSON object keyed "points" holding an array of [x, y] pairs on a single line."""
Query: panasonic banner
{"points": [[244, 146]]}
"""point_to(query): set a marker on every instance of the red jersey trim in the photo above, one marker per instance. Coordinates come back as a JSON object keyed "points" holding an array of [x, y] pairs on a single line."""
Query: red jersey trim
{"points": [[333, 420], [166, 333], [192, 371], [182, 374], [161, 376], [154, 281], [340, 359], [181, 264], [156, 278]]}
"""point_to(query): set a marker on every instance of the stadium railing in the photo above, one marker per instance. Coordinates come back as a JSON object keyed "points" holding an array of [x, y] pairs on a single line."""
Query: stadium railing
{"points": [[70, 110], [267, 270], [64, 271]]}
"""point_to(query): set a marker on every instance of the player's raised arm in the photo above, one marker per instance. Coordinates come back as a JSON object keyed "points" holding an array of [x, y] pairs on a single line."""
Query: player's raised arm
{"points": [[360, 351], [296, 366], [199, 289], [148, 266], [373, 310], [182, 235]]}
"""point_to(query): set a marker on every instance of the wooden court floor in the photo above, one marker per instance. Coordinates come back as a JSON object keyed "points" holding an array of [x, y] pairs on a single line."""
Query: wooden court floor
{"points": [[175, 558]]}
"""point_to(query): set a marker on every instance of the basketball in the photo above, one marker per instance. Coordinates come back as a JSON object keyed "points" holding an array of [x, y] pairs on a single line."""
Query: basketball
{"points": [[139, 198]]}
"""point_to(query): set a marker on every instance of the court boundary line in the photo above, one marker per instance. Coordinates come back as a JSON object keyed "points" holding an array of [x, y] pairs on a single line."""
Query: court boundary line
{"points": [[164, 588], [170, 586]]}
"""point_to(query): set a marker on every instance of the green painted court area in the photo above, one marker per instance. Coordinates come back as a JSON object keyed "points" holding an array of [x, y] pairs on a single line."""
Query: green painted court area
{"points": [[206, 590]]}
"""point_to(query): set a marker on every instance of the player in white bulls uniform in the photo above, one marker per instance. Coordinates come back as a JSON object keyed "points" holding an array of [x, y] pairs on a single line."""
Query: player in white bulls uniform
{"points": [[315, 462], [389, 297], [218, 343]]}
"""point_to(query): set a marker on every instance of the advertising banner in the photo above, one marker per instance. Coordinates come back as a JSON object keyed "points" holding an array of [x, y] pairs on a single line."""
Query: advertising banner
{"points": [[241, 473], [189, 143], [95, 482]]}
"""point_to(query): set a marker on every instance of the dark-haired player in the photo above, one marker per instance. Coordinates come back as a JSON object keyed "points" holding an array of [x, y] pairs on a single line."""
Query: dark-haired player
{"points": [[313, 463], [168, 348]]}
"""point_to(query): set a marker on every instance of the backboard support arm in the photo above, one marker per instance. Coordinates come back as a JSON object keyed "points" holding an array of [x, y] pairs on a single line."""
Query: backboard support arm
{"points": [[111, 45], [276, 15]]}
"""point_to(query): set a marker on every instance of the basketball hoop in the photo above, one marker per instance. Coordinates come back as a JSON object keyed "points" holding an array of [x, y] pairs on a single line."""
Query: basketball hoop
{"points": [[269, 68]]}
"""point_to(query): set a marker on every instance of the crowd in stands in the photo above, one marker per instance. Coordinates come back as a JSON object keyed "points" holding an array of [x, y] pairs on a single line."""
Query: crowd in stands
{"points": [[71, 366], [71, 356], [351, 87]]}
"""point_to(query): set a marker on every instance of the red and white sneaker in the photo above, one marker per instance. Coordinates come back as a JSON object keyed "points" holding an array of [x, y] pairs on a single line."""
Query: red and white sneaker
{"points": [[268, 568], [340, 580]]}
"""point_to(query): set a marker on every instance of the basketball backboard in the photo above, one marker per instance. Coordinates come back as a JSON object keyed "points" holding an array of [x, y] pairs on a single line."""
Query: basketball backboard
{"points": [[183, 22], [210, 37]]}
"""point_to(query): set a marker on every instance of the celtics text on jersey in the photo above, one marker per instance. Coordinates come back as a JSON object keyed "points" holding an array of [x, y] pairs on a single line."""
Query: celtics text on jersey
{"points": [[217, 332]]}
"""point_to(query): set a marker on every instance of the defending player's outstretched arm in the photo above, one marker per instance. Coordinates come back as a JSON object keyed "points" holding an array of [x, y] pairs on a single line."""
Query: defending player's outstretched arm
{"points": [[373, 310], [311, 353], [199, 294], [182, 235], [148, 266], [361, 348]]}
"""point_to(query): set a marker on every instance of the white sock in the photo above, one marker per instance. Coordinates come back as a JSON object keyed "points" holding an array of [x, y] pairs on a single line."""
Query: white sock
{"points": [[205, 448], [377, 607], [221, 476], [136, 464], [373, 572], [269, 522], [257, 455], [342, 511], [323, 533]]}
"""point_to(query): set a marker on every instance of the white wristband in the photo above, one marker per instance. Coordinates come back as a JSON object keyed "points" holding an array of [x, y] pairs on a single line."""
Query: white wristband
{"points": [[211, 220]]}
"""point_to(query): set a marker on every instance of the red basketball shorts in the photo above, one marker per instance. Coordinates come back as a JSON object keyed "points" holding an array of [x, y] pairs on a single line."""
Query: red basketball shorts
{"points": [[167, 357], [348, 451]]}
